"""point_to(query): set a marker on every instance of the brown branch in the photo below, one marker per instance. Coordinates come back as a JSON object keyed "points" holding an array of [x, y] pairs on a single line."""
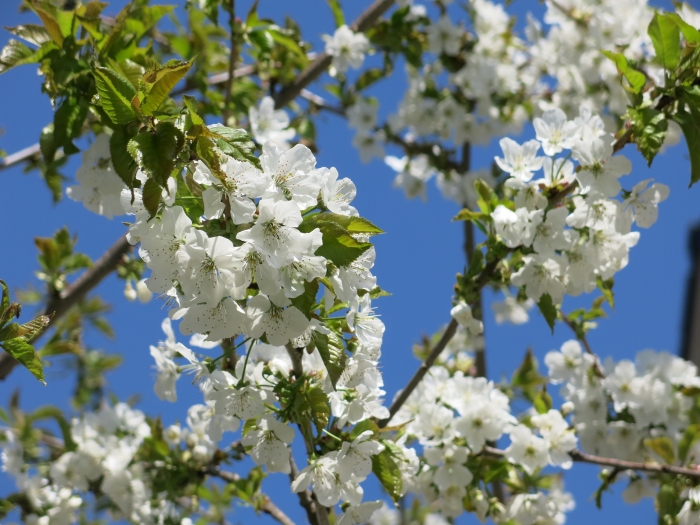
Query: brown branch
{"points": [[323, 61], [61, 303], [619, 464], [447, 335], [233, 58], [305, 497], [320, 512], [268, 507]]}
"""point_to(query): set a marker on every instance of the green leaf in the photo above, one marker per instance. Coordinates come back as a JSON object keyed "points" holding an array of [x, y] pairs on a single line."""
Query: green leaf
{"points": [[649, 130], [666, 38], [15, 53], [25, 354], [207, 152], [636, 78], [364, 426], [549, 311], [331, 351], [116, 94], [527, 377], [668, 503], [339, 246], [68, 123], [542, 401], [468, 215], [689, 438], [288, 42], [307, 300], [47, 144], [32, 33], [488, 200], [157, 152], [691, 34], [53, 412], [124, 164], [690, 124], [368, 77], [151, 197], [663, 447], [191, 104], [351, 224], [337, 11], [388, 473], [49, 15], [33, 328], [5, 297], [236, 143], [159, 83], [606, 288]]}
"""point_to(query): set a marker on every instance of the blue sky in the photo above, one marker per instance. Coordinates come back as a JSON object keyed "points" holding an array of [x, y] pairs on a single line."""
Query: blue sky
{"points": [[417, 260]]}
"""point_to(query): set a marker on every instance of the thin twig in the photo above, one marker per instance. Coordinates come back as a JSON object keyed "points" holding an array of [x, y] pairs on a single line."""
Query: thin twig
{"points": [[323, 61], [620, 464], [447, 335], [233, 58], [268, 507], [305, 497], [61, 303], [296, 355]]}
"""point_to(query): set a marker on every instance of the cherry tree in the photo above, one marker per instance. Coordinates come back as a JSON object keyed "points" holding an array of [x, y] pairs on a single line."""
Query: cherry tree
{"points": [[201, 139]]}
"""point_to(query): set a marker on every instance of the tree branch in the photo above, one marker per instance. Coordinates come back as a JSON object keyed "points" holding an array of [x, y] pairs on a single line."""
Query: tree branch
{"points": [[420, 373], [321, 513], [233, 58], [268, 507], [619, 464], [305, 497], [61, 303], [323, 61]]}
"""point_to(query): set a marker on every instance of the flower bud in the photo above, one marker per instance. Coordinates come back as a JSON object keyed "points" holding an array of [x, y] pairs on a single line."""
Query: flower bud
{"points": [[129, 292], [142, 291]]}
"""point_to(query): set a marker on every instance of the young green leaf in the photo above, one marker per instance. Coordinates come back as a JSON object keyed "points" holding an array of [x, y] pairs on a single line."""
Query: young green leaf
{"points": [[116, 94], [151, 197], [692, 35], [25, 354], [157, 152], [339, 246], [606, 288], [32, 33], [123, 163], [351, 224], [649, 127], [48, 14], [337, 11], [15, 53], [307, 300], [666, 37], [549, 311], [388, 473], [690, 124], [634, 77], [663, 447], [160, 83], [191, 104], [331, 351], [236, 143]]}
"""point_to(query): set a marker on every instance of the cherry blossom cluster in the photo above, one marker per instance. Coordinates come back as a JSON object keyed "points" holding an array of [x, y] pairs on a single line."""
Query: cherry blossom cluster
{"points": [[620, 410], [106, 444], [238, 282], [506, 80], [587, 237]]}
